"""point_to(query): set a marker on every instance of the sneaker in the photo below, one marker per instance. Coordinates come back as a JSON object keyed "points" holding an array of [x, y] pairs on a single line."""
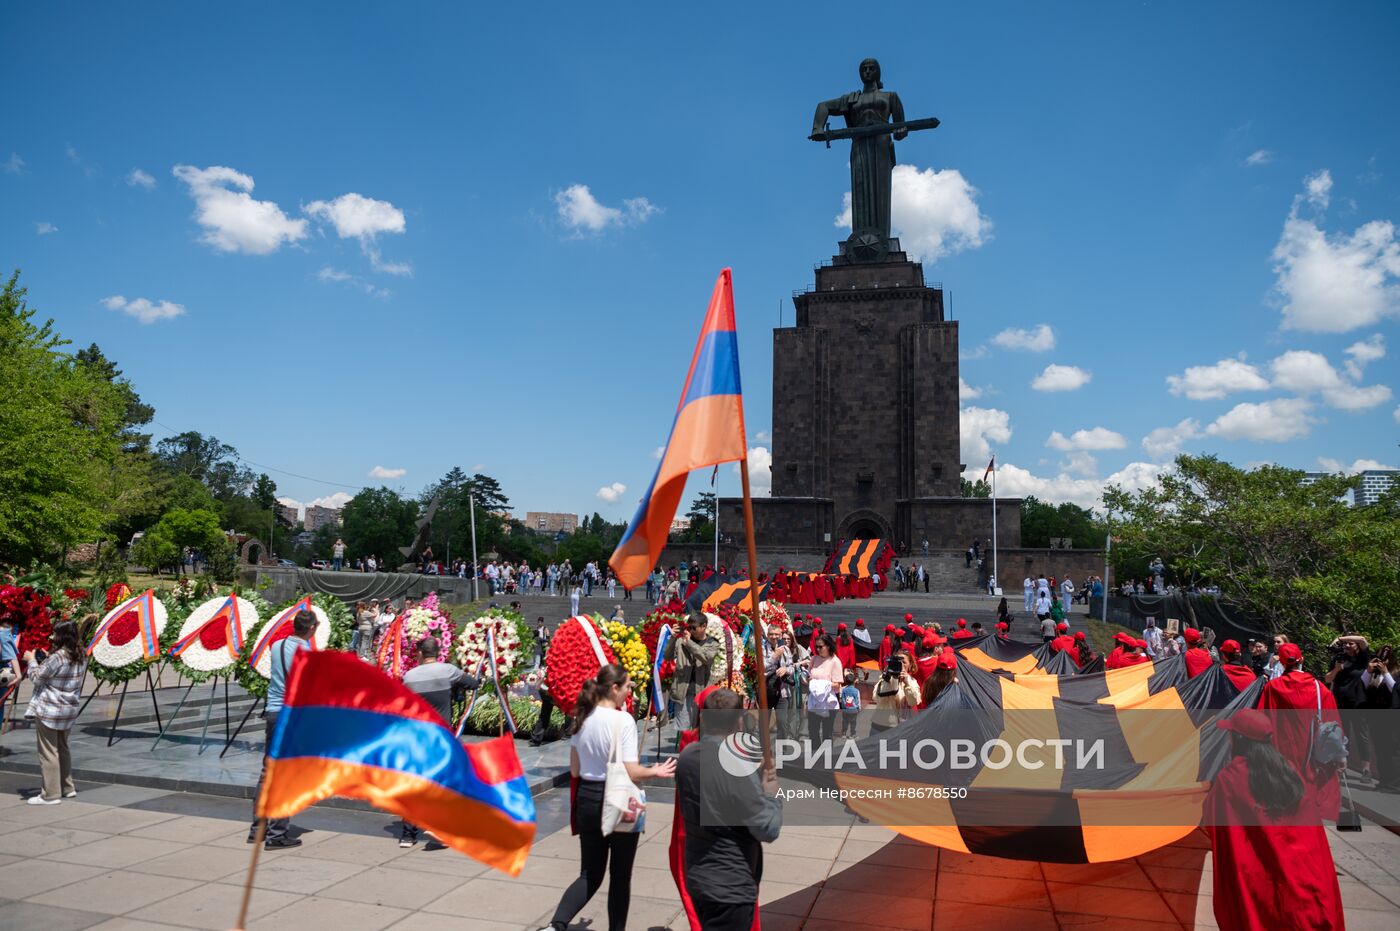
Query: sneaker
{"points": [[73, 794], [406, 842], [282, 843], [40, 800]]}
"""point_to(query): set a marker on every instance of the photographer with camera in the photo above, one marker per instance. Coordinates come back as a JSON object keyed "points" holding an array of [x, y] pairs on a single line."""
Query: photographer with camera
{"points": [[1348, 658], [895, 694], [1382, 699]]}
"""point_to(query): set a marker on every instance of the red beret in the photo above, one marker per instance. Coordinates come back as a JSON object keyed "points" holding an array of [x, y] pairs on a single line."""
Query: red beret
{"points": [[1122, 638], [1002, 625], [1079, 636], [1230, 647], [1256, 725], [962, 622], [1062, 627], [908, 618], [1140, 644], [917, 630], [947, 660], [1290, 654], [860, 622], [840, 627], [1192, 635]]}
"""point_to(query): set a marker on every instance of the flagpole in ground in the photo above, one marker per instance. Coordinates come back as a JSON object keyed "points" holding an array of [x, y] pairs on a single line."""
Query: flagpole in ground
{"points": [[995, 575], [762, 684]]}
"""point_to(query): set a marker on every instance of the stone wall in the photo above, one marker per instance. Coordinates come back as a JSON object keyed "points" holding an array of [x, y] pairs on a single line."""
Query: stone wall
{"points": [[953, 523], [1077, 565]]}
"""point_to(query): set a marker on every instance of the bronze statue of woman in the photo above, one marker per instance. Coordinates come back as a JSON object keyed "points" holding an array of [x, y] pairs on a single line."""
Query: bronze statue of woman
{"points": [[872, 156]]}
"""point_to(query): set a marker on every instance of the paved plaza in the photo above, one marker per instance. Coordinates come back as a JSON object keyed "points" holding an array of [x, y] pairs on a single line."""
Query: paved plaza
{"points": [[128, 857]]}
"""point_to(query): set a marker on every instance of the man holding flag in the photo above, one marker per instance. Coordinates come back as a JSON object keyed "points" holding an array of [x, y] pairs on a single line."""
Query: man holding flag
{"points": [[283, 653]]}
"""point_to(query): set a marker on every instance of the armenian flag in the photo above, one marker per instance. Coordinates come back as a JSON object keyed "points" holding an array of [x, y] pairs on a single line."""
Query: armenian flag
{"points": [[708, 430], [348, 729]]}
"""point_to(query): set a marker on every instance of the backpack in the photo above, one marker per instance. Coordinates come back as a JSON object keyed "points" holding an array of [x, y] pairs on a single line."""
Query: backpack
{"points": [[1328, 743]]}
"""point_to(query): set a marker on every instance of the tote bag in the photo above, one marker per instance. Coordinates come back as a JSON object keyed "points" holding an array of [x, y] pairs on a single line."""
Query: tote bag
{"points": [[624, 804]]}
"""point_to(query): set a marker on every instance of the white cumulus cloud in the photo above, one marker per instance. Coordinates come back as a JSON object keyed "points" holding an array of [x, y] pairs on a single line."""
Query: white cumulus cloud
{"points": [[934, 213], [335, 501], [1357, 467], [139, 178], [967, 392], [1097, 438], [1363, 353], [380, 471], [144, 310], [1166, 442], [611, 493], [760, 471], [1061, 378], [1259, 157], [1274, 421], [1208, 382], [1334, 283], [355, 216], [233, 221], [1308, 372], [14, 165], [978, 428], [1040, 339], [44, 228], [580, 210], [1070, 486]]}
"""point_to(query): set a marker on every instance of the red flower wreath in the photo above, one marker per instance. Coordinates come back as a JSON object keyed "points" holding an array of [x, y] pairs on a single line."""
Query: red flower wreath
{"points": [[570, 662]]}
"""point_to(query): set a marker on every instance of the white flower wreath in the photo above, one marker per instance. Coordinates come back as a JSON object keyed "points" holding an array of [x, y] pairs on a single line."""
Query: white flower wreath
{"points": [[321, 638], [115, 655], [471, 644], [199, 657]]}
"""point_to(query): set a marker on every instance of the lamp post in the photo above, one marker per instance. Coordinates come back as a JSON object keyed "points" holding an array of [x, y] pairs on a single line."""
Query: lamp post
{"points": [[476, 570]]}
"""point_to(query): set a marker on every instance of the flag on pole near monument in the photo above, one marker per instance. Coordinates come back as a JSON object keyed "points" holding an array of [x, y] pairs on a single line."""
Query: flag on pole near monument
{"points": [[708, 430], [991, 467], [348, 729]]}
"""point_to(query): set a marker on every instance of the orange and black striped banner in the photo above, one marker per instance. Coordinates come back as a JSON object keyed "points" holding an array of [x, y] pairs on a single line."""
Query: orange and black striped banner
{"points": [[729, 589]]}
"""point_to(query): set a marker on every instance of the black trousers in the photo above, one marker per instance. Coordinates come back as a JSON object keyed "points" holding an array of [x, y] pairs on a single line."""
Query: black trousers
{"points": [[276, 827], [594, 852], [721, 916]]}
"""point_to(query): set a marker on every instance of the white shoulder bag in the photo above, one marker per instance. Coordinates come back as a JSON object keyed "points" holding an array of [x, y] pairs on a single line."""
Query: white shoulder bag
{"points": [[624, 804]]}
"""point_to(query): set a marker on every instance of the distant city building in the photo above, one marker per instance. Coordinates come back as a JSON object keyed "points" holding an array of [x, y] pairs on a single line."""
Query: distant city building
{"points": [[318, 517], [550, 522], [290, 515], [1311, 478], [1374, 483], [304, 539]]}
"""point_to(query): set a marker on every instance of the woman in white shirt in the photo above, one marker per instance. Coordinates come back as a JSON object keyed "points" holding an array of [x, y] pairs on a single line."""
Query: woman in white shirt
{"points": [[599, 721]]}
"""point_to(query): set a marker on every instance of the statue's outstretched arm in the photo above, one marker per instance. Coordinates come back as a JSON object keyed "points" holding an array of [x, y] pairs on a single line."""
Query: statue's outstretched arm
{"points": [[825, 110], [897, 114]]}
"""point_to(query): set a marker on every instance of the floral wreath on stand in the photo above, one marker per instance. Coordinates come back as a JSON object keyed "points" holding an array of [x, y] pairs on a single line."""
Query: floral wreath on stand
{"points": [[254, 667], [632, 654], [426, 619], [211, 640], [135, 633], [572, 661]]}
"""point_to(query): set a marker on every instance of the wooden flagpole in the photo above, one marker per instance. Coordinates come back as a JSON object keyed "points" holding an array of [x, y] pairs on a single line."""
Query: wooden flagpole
{"points": [[258, 838], [759, 633]]}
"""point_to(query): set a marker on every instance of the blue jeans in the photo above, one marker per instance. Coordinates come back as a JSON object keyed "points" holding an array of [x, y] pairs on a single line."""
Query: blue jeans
{"points": [[336, 563]]}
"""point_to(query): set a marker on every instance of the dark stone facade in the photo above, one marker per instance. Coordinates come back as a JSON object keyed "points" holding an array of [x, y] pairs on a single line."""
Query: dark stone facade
{"points": [[865, 418]]}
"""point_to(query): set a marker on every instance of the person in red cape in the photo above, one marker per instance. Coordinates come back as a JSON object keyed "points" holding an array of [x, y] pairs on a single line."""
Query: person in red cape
{"points": [[1240, 676], [886, 648], [1197, 659], [845, 647], [839, 588], [962, 633], [1272, 859], [1135, 653], [1081, 653], [1064, 643], [930, 648], [1298, 694], [1114, 660], [1003, 630]]}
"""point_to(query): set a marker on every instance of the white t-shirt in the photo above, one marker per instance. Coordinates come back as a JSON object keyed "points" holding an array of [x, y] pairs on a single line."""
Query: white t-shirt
{"points": [[593, 742]]}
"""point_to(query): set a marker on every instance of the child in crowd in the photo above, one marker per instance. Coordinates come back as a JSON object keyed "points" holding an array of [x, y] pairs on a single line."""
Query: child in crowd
{"points": [[850, 705]]}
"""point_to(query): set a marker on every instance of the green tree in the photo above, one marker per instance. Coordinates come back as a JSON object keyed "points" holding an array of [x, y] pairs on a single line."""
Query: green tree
{"points": [[163, 545], [378, 521], [207, 460], [62, 426], [136, 414], [265, 493], [977, 489], [1295, 556], [1042, 522], [701, 516]]}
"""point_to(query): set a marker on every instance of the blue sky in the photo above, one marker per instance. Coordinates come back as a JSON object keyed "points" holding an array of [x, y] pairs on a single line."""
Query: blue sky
{"points": [[354, 237]]}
